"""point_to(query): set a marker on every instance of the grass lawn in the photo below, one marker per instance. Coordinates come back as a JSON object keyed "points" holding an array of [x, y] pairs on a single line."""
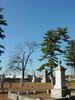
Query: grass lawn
{"points": [[29, 86]]}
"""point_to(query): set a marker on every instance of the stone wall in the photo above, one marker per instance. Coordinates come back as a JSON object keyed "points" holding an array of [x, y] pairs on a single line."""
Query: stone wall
{"points": [[14, 96]]}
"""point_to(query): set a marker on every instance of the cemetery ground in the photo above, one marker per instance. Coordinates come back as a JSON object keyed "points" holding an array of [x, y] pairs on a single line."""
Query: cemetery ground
{"points": [[41, 89]]}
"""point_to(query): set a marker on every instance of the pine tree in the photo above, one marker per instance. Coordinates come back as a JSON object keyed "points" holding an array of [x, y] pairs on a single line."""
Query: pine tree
{"points": [[2, 36], [70, 54], [51, 47]]}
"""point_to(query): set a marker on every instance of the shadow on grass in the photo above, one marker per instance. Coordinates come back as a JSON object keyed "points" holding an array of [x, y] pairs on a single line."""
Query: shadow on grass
{"points": [[72, 98], [3, 92]]}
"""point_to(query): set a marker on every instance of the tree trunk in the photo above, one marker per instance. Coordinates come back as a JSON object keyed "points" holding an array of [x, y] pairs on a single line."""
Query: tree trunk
{"points": [[23, 73], [74, 71], [52, 79], [22, 82]]}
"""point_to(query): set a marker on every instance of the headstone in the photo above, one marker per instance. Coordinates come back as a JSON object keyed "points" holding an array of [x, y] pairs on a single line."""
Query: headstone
{"points": [[48, 91], [27, 92], [33, 79], [34, 91], [69, 78], [59, 90], [21, 82], [44, 76], [18, 95]]}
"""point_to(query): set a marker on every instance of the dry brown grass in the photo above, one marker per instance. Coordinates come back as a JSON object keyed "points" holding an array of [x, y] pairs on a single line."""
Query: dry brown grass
{"points": [[28, 86]]}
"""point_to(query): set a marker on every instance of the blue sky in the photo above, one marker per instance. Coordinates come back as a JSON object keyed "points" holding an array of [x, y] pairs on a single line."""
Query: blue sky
{"points": [[28, 20]]}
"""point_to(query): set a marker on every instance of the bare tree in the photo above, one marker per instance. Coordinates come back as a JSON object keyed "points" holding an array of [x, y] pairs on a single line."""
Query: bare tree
{"points": [[21, 58]]}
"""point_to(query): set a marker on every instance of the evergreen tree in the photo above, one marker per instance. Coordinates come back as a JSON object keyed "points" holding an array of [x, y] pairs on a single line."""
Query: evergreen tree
{"points": [[2, 36], [70, 54], [51, 47]]}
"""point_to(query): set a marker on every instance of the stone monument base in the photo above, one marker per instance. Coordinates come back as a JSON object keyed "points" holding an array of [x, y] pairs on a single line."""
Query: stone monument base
{"points": [[59, 93]]}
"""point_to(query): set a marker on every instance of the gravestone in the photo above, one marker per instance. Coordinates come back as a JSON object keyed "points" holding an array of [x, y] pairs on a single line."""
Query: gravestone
{"points": [[21, 82], [33, 78], [59, 90], [44, 76]]}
